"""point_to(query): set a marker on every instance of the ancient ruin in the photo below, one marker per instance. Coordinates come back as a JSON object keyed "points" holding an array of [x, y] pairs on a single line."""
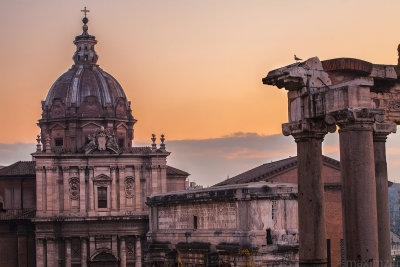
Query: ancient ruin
{"points": [[363, 100]]}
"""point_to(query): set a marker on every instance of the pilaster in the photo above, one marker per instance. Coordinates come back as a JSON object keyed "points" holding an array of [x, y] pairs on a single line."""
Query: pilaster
{"points": [[82, 189], [84, 252], [138, 191], [40, 257], [122, 247], [67, 252], [138, 252], [67, 199], [113, 188], [122, 197]]}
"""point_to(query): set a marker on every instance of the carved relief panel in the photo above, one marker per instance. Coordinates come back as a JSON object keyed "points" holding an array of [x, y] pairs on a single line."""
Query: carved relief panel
{"points": [[74, 188], [129, 187]]}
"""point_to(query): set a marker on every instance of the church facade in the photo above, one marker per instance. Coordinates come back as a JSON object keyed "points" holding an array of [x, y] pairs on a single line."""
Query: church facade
{"points": [[90, 183]]}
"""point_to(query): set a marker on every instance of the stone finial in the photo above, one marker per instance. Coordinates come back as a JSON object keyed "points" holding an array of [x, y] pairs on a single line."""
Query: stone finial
{"points": [[38, 145], [153, 139], [162, 139], [47, 145], [398, 52]]}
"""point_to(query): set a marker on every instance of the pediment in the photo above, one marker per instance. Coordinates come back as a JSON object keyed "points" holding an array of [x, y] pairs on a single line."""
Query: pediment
{"points": [[102, 177]]}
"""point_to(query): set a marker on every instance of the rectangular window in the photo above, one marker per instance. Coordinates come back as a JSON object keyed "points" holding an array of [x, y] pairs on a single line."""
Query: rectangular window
{"points": [[269, 237], [58, 142], [121, 142], [102, 197], [194, 222]]}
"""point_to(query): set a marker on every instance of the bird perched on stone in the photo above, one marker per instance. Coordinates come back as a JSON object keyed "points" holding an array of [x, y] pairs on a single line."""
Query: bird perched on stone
{"points": [[296, 58]]}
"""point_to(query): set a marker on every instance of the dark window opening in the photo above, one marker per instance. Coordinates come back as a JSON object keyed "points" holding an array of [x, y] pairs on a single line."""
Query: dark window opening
{"points": [[85, 47], [121, 142], [194, 222], [79, 58], [102, 197], [269, 237], [328, 250], [1, 207], [86, 57], [79, 48], [58, 142]]}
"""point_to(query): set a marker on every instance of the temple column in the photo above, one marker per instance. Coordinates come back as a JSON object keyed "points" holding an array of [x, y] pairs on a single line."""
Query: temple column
{"points": [[309, 135], [67, 252], [122, 255], [138, 252], [40, 253], [381, 131], [360, 227], [83, 252]]}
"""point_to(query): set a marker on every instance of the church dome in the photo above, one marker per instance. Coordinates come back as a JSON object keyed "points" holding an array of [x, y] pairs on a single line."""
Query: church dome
{"points": [[85, 98]]}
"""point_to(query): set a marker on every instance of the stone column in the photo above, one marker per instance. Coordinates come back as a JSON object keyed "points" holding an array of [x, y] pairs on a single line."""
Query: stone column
{"points": [[381, 130], [40, 173], [122, 255], [138, 252], [67, 252], [83, 252], [360, 227], [309, 135], [40, 253]]}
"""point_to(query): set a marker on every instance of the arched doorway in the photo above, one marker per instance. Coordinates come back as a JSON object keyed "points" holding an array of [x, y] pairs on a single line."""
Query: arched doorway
{"points": [[104, 259]]}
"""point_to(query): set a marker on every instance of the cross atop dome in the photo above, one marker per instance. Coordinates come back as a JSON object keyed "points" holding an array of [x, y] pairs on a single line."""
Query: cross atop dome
{"points": [[85, 11]]}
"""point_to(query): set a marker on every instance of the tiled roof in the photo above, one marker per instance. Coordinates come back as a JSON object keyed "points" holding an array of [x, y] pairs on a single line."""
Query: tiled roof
{"points": [[176, 172], [19, 168], [271, 169]]}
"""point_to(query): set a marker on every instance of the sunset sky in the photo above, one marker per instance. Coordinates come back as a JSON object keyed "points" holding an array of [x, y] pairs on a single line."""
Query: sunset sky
{"points": [[192, 69]]}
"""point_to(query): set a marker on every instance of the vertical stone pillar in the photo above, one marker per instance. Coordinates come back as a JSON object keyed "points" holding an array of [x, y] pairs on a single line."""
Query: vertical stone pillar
{"points": [[82, 189], [138, 252], [83, 252], [309, 135], [39, 189], [56, 190], [113, 188], [163, 173], [138, 191], [67, 199], [122, 255], [360, 227], [91, 193], [381, 130], [122, 197], [40, 257], [51, 253], [155, 183], [67, 252]]}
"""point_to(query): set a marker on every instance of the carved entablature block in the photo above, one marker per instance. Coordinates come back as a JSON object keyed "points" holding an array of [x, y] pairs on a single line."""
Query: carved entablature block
{"points": [[129, 187], [102, 179], [74, 188], [102, 140]]}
